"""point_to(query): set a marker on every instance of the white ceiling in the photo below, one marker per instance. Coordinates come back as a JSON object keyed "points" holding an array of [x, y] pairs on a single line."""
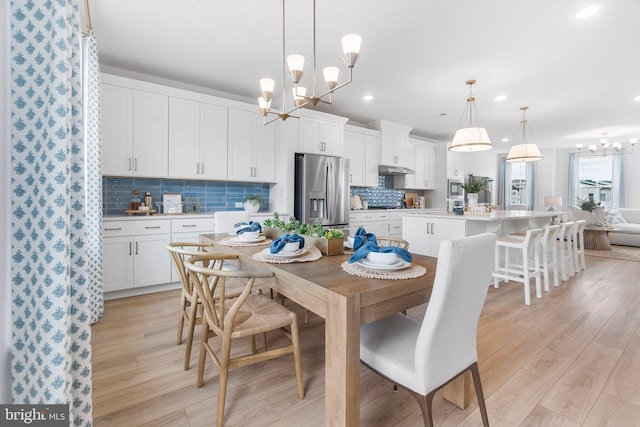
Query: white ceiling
{"points": [[578, 77]]}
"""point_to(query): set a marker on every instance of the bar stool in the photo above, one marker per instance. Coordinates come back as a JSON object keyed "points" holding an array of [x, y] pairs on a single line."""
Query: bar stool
{"points": [[578, 247], [521, 272], [549, 251], [565, 246]]}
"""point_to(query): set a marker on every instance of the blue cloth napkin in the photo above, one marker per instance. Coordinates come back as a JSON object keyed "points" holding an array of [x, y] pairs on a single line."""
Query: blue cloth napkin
{"points": [[361, 237], [251, 226], [277, 245], [364, 250]]}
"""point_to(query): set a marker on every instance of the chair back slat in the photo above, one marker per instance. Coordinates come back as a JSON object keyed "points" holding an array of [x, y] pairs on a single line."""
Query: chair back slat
{"points": [[392, 241]]}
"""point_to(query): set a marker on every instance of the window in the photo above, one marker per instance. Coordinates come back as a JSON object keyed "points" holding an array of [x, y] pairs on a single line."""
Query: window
{"points": [[595, 179], [518, 177]]}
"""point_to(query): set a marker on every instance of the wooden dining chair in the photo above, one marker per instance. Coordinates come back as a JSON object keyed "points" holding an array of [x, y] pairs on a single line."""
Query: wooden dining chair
{"points": [[189, 302], [247, 315], [392, 241], [424, 357]]}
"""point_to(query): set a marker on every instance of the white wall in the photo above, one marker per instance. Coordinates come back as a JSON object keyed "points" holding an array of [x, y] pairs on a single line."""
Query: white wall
{"points": [[5, 224]]}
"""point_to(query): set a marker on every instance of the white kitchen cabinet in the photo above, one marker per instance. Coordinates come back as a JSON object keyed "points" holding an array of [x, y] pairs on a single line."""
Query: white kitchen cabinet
{"points": [[135, 254], [321, 137], [252, 148], [394, 138], [189, 230], [425, 234], [362, 148], [134, 126], [421, 158], [197, 140], [386, 223]]}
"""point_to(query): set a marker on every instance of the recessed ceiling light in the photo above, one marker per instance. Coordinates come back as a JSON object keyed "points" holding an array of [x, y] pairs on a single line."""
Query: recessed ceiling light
{"points": [[368, 97], [505, 140], [587, 12], [637, 98], [500, 98]]}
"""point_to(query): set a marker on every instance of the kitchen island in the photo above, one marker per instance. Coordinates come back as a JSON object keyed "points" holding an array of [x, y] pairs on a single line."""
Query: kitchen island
{"points": [[425, 231]]}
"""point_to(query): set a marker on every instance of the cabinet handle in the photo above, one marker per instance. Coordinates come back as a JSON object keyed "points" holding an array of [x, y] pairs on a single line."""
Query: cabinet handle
{"points": [[129, 248], [129, 163], [113, 229], [202, 168], [388, 228], [136, 248], [350, 177], [197, 168], [151, 228], [188, 225], [135, 164], [432, 224]]}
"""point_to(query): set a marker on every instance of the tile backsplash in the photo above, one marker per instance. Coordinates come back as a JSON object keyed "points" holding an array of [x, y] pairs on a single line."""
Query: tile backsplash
{"points": [[384, 195], [212, 195]]}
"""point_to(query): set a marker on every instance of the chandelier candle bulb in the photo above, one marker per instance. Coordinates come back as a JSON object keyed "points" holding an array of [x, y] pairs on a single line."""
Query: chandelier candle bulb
{"points": [[331, 77], [267, 86], [351, 48], [296, 66]]}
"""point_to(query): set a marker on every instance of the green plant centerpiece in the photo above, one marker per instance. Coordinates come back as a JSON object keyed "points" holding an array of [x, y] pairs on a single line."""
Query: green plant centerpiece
{"points": [[587, 204], [329, 241], [476, 186], [252, 202]]}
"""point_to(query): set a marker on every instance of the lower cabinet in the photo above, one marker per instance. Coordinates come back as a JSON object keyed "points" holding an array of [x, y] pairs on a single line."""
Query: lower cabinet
{"points": [[380, 223], [189, 230], [425, 234], [135, 254]]}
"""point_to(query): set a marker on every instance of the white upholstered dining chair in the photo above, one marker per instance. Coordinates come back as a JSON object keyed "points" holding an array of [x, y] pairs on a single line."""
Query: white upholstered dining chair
{"points": [[225, 220], [424, 357]]}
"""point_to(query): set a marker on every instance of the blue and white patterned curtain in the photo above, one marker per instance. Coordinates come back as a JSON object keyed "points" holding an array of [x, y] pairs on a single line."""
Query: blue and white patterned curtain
{"points": [[51, 313], [93, 172]]}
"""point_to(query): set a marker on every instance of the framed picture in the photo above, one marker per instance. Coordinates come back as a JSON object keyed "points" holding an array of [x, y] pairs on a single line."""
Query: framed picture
{"points": [[172, 203]]}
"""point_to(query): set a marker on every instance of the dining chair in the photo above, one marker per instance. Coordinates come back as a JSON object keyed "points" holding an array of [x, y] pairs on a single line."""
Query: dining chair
{"points": [[523, 270], [189, 302], [225, 220], [424, 357], [247, 315], [392, 241]]}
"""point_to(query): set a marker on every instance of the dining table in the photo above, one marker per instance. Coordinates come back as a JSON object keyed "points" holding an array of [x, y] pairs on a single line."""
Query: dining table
{"points": [[345, 302]]}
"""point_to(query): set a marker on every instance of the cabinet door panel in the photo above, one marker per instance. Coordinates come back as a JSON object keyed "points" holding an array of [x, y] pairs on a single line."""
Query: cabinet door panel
{"points": [[213, 141], [417, 232], [264, 148], [310, 137], [184, 138], [150, 134], [429, 178], [331, 135], [356, 153], [117, 255], [152, 261], [117, 130], [372, 160], [240, 145]]}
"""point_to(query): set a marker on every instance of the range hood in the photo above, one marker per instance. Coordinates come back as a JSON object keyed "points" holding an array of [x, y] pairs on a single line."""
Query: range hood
{"points": [[393, 170]]}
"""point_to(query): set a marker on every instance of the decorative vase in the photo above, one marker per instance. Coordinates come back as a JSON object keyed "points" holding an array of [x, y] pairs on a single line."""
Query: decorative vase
{"points": [[251, 207], [472, 200]]}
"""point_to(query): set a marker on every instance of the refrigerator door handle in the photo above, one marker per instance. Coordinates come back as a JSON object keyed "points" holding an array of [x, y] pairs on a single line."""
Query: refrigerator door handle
{"points": [[327, 189]]}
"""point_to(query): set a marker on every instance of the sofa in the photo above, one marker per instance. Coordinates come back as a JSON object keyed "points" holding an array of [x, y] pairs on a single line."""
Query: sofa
{"points": [[628, 222]]}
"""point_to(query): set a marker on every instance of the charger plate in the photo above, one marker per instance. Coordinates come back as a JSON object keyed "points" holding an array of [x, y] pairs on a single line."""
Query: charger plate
{"points": [[410, 272], [312, 254], [229, 241]]}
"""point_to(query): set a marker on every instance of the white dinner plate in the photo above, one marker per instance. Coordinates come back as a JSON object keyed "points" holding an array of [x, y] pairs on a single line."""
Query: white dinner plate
{"points": [[398, 265], [294, 254], [240, 239]]}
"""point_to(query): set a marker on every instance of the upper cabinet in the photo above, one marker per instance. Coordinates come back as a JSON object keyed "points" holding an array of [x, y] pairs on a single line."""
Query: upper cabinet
{"points": [[422, 160], [134, 132], [252, 148], [362, 147], [197, 140], [393, 142], [321, 137]]}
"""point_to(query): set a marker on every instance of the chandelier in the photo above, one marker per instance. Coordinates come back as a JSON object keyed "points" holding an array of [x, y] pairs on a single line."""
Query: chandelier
{"points": [[474, 137], [524, 152], [606, 149], [295, 63]]}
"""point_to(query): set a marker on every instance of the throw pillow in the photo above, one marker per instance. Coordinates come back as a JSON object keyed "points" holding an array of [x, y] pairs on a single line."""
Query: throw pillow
{"points": [[613, 217]]}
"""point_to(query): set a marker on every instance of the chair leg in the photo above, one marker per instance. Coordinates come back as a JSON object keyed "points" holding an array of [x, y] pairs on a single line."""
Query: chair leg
{"points": [[183, 303], [191, 328], [203, 352], [496, 268], [526, 277], [425, 403], [225, 354], [475, 373]]}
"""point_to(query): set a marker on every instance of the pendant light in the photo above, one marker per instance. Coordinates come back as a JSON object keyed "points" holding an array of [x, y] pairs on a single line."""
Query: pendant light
{"points": [[524, 152], [474, 137]]}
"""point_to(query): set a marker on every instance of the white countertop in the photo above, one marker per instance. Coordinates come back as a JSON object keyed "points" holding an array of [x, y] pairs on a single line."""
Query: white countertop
{"points": [[138, 217], [489, 216]]}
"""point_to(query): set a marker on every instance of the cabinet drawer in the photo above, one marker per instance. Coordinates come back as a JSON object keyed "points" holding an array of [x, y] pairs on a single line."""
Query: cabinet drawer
{"points": [[190, 225], [117, 228], [157, 226]]}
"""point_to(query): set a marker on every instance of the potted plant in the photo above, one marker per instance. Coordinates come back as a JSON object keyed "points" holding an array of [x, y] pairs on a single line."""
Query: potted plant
{"points": [[329, 241], [596, 213], [252, 203], [473, 188]]}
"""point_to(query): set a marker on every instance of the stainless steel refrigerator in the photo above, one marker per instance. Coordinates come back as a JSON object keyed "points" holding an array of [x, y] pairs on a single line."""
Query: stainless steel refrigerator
{"points": [[322, 190]]}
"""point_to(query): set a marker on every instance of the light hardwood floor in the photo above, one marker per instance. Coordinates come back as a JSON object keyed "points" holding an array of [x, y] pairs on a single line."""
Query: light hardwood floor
{"points": [[570, 359]]}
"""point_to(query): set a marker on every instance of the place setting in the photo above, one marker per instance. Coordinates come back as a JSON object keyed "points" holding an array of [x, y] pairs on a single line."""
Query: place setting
{"points": [[286, 249], [245, 234], [371, 260]]}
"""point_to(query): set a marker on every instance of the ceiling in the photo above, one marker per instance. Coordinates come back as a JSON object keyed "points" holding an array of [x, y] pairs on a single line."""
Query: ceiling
{"points": [[578, 77]]}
